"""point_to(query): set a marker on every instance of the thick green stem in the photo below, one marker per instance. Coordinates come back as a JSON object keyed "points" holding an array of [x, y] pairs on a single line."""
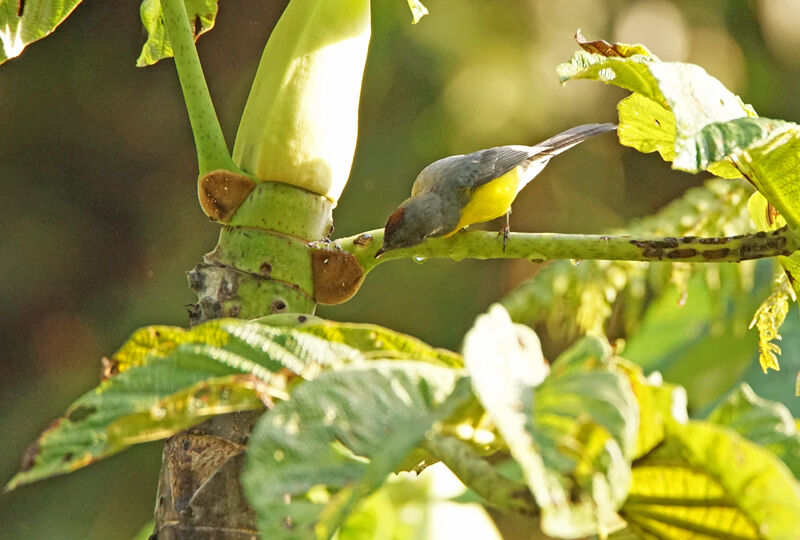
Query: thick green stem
{"points": [[543, 246], [481, 477], [212, 152]]}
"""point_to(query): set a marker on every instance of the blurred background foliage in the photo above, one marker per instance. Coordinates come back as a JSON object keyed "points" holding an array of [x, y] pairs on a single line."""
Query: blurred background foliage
{"points": [[101, 220]]}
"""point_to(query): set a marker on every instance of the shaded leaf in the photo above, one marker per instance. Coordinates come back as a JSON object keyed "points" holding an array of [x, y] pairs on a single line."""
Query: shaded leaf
{"points": [[334, 442], [165, 379], [708, 482], [24, 21], [202, 15], [767, 423], [570, 433]]}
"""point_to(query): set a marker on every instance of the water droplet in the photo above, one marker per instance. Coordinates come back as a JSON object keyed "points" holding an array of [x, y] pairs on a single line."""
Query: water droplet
{"points": [[683, 298], [576, 262], [419, 259]]}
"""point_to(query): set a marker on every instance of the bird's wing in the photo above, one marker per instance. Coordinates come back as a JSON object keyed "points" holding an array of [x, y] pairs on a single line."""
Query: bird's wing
{"points": [[469, 170], [472, 170]]}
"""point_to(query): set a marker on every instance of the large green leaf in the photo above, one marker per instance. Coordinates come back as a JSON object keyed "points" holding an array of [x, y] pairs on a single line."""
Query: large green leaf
{"points": [[165, 379], [688, 94], [685, 334], [25, 21], [691, 119], [764, 422], [315, 456], [708, 482], [202, 15], [572, 432]]}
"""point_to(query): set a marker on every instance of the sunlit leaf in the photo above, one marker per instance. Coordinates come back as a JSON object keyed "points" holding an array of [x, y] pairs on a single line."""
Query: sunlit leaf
{"points": [[417, 10], [768, 319], [571, 432], [646, 126], [709, 482], [659, 404], [676, 100], [316, 455], [772, 165], [202, 15], [767, 423], [24, 21]]}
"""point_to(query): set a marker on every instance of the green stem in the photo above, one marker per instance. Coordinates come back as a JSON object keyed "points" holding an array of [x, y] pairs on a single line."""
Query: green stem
{"points": [[479, 475], [543, 246], [212, 152]]}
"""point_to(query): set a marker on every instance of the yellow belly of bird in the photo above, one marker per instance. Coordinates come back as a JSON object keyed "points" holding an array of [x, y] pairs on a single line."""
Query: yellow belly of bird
{"points": [[490, 200]]}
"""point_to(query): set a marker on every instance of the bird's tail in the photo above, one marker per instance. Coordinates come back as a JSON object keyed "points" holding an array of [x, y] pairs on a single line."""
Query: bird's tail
{"points": [[569, 138]]}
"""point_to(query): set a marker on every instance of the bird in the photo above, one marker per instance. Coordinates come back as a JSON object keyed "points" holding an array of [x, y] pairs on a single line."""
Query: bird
{"points": [[457, 191]]}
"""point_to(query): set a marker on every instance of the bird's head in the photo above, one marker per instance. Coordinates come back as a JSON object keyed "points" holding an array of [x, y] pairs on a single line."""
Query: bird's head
{"points": [[413, 221]]}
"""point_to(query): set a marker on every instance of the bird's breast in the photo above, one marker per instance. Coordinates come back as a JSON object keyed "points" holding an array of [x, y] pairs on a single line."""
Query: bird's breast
{"points": [[491, 200]]}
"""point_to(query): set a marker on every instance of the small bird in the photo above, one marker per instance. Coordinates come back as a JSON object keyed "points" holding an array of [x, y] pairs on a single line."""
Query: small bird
{"points": [[457, 191]]}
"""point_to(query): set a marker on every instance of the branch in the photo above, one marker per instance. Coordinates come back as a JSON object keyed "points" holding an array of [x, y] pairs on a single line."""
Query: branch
{"points": [[212, 152], [539, 247], [479, 475]]}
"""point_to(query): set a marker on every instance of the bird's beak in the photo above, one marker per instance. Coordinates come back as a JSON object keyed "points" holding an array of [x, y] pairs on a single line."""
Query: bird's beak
{"points": [[380, 252]]}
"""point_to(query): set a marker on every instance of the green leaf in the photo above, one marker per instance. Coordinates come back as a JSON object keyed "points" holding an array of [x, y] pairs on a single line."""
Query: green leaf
{"points": [[165, 379], [708, 482], [767, 423], [202, 15], [719, 140], [23, 22], [659, 404], [771, 164], [334, 442], [571, 432], [675, 100], [646, 126]]}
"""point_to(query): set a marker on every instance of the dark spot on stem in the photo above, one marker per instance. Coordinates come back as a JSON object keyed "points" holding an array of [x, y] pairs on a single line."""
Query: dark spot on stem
{"points": [[302, 318], [67, 457], [682, 253], [714, 254], [20, 7]]}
